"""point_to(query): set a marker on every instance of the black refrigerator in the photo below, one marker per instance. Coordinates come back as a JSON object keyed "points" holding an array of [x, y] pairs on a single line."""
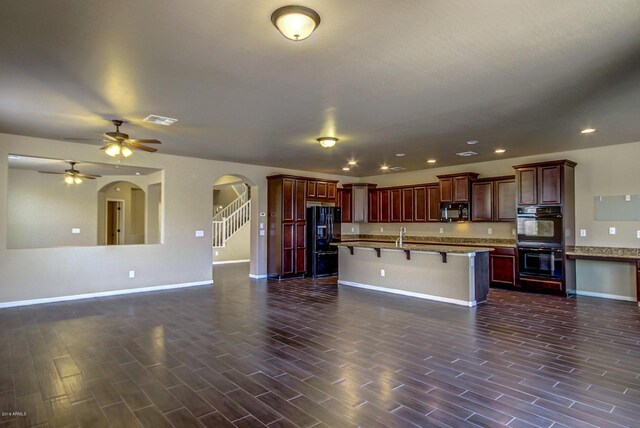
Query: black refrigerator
{"points": [[323, 224]]}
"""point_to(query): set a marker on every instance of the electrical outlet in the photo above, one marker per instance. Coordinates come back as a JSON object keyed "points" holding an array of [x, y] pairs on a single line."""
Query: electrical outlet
{"points": [[353, 229], [199, 233], [132, 274], [442, 230], [217, 252], [627, 198], [382, 272], [583, 232], [638, 234], [489, 231], [381, 229], [75, 230], [612, 231]]}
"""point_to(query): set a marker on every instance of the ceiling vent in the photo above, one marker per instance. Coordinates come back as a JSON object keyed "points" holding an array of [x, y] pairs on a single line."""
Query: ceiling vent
{"points": [[466, 154], [160, 120]]}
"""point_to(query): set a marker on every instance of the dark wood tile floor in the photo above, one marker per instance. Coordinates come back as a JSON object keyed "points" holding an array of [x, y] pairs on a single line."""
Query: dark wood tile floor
{"points": [[306, 353]]}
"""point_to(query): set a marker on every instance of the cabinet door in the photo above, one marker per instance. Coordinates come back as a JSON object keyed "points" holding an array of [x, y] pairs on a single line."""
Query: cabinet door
{"points": [[288, 199], [420, 203], [482, 201], [502, 269], [301, 248], [505, 198], [385, 206], [331, 191], [407, 204], [460, 189], [374, 209], [311, 189], [527, 186], [321, 188], [446, 190], [433, 202], [300, 200], [288, 248], [396, 205], [549, 185], [344, 202]]}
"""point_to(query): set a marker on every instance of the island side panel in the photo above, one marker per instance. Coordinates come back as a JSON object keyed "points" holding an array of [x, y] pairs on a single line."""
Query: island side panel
{"points": [[424, 273], [481, 277]]}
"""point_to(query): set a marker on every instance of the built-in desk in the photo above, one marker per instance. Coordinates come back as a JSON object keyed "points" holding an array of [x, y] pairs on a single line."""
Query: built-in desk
{"points": [[452, 274], [623, 255]]}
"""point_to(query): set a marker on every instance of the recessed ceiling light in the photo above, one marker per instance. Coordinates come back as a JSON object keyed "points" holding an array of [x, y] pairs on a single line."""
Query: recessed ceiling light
{"points": [[295, 22], [467, 154], [14, 157], [327, 141], [346, 168], [400, 155], [137, 173], [500, 150], [384, 167], [353, 162], [472, 142], [588, 131], [159, 120], [431, 161]]}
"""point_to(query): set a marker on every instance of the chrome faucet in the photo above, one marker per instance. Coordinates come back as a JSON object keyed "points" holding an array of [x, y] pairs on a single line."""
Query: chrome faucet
{"points": [[403, 230]]}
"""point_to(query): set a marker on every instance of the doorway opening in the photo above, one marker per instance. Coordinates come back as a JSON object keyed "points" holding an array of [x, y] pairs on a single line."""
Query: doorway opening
{"points": [[114, 227]]}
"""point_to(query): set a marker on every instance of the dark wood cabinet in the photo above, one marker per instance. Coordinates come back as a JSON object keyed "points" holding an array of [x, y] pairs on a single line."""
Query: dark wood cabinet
{"points": [[374, 206], [420, 204], [311, 189], [395, 205], [322, 190], [344, 202], [300, 203], [433, 202], [455, 187], [503, 266], [541, 184], [493, 199], [332, 190], [385, 205], [407, 204]]}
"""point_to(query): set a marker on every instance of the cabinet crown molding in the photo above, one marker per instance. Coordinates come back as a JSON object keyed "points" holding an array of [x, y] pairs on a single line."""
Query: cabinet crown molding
{"points": [[565, 162]]}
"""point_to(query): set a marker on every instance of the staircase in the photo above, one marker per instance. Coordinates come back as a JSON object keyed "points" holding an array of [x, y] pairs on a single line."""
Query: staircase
{"points": [[231, 218]]}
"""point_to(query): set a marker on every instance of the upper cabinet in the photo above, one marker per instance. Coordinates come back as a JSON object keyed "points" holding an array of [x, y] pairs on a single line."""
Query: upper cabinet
{"points": [[344, 202], [455, 187], [541, 183], [322, 190], [493, 199]]}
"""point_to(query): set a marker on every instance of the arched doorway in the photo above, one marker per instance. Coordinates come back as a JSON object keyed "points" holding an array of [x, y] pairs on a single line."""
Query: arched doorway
{"points": [[121, 214]]}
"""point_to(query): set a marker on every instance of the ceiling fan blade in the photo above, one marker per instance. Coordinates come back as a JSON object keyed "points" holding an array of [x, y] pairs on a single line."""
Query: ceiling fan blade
{"points": [[88, 176], [146, 141], [80, 139], [104, 147], [49, 172], [109, 137], [141, 147]]}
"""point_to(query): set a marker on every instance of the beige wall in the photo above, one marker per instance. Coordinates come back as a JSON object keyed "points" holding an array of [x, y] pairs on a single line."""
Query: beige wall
{"points": [[42, 209], [183, 258], [611, 170]]}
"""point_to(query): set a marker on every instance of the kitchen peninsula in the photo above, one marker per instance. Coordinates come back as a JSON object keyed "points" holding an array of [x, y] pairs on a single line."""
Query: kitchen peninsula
{"points": [[444, 273]]}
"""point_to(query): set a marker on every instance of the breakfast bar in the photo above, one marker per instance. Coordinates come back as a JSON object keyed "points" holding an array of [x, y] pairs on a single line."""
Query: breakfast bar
{"points": [[444, 273]]}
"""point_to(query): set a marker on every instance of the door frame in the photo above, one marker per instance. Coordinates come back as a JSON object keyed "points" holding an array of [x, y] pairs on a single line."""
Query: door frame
{"points": [[121, 221]]}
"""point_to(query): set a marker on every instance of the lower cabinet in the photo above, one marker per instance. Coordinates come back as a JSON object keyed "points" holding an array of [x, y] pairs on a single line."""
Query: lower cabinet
{"points": [[503, 267]]}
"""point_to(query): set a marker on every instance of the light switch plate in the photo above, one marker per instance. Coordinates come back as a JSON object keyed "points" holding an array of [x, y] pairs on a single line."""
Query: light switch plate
{"points": [[353, 229], [199, 233], [442, 230], [75, 230], [217, 253], [261, 225], [132, 274], [583, 232], [489, 231], [262, 232], [381, 229], [382, 272], [627, 198], [638, 234], [612, 231]]}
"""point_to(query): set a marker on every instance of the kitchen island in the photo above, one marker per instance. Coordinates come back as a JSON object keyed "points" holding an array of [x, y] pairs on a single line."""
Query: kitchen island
{"points": [[444, 273]]}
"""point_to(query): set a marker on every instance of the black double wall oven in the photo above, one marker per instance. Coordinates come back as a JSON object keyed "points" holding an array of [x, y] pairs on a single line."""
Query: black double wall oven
{"points": [[540, 241]]}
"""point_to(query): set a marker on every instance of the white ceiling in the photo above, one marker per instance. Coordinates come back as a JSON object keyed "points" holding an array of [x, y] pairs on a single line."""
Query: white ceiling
{"points": [[59, 165], [413, 76]]}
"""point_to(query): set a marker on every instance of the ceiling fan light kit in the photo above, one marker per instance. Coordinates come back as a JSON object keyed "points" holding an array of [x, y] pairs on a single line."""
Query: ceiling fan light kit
{"points": [[72, 175], [119, 143], [327, 142], [295, 22]]}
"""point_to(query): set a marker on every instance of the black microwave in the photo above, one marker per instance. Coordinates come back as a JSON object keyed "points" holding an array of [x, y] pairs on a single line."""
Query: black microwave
{"points": [[450, 212]]}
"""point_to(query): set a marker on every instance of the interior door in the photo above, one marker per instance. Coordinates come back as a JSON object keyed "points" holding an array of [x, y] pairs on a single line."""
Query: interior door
{"points": [[114, 223]]}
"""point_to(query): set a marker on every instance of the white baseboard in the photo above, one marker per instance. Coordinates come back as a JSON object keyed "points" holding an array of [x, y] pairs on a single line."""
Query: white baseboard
{"points": [[409, 293], [102, 294], [252, 275], [605, 296], [226, 262]]}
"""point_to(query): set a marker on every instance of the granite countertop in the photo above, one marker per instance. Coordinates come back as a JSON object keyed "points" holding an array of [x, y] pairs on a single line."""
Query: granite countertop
{"points": [[605, 252], [434, 240], [457, 249]]}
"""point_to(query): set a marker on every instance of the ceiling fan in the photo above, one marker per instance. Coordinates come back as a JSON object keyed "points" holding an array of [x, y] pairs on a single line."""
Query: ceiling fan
{"points": [[72, 175], [119, 143]]}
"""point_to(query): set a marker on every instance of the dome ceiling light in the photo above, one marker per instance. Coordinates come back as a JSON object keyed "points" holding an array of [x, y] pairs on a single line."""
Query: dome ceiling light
{"points": [[295, 22], [327, 141]]}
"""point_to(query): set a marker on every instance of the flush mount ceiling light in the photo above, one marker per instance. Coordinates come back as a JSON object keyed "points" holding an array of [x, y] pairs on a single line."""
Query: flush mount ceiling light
{"points": [[431, 161], [500, 150], [352, 162], [588, 131], [384, 167], [327, 141], [346, 168], [472, 142], [400, 154], [295, 22]]}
